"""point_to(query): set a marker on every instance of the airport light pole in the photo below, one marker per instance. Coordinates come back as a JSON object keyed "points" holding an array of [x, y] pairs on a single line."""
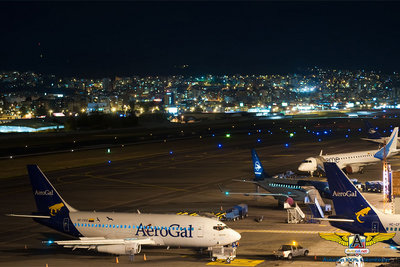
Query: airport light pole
{"points": [[387, 185]]}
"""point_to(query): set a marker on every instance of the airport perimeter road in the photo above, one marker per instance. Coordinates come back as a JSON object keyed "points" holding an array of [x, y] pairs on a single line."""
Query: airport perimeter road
{"points": [[151, 179]]}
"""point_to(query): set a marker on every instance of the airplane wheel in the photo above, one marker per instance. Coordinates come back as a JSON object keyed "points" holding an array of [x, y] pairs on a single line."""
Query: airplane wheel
{"points": [[213, 259], [306, 253], [289, 257]]}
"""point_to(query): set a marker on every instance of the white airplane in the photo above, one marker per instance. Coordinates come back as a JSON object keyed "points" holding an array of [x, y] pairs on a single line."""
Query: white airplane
{"points": [[122, 233], [354, 161]]}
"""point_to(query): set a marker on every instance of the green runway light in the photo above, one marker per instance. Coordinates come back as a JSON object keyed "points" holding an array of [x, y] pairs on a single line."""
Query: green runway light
{"points": [[108, 151], [291, 135], [228, 135]]}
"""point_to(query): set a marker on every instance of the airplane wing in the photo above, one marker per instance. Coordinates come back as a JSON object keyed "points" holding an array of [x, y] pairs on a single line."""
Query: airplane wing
{"points": [[245, 181], [380, 141], [88, 242], [334, 219], [258, 194]]}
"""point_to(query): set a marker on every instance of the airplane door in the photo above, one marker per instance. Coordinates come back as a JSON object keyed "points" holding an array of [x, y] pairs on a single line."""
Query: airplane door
{"points": [[375, 227], [200, 231], [66, 224]]}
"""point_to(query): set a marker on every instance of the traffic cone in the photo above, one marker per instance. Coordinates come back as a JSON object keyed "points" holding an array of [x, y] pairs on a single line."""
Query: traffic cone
{"points": [[116, 260], [144, 257], [315, 257]]}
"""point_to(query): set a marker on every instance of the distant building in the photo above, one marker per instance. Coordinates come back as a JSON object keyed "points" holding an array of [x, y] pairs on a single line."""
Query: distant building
{"points": [[107, 84], [98, 107], [169, 99]]}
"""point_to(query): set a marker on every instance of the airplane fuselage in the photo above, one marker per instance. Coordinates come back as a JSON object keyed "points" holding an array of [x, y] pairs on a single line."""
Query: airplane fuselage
{"points": [[162, 229], [342, 160]]}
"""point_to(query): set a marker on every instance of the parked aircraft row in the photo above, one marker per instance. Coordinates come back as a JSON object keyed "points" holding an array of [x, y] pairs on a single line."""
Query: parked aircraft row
{"points": [[125, 233]]}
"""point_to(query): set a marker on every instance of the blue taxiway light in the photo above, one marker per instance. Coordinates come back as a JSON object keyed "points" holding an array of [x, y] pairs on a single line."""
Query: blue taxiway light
{"points": [[109, 161], [249, 133], [171, 152], [286, 145], [219, 145], [213, 135], [258, 140], [347, 136], [319, 140]]}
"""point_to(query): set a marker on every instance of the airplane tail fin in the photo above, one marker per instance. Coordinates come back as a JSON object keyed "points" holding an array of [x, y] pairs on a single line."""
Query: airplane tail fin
{"points": [[390, 147], [371, 131], [349, 203], [259, 172], [48, 201]]}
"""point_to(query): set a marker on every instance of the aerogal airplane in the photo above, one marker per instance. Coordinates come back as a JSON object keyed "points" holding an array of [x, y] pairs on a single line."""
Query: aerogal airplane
{"points": [[354, 213], [122, 233]]}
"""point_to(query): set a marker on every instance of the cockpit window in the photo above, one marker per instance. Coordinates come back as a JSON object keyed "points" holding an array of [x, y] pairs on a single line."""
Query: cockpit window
{"points": [[220, 227], [307, 161]]}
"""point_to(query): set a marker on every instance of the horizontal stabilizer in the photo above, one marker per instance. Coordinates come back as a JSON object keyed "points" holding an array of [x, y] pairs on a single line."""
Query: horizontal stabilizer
{"points": [[245, 181], [334, 219], [29, 216]]}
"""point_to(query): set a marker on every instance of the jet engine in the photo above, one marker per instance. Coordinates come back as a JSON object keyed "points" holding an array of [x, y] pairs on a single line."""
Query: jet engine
{"points": [[353, 169], [127, 249]]}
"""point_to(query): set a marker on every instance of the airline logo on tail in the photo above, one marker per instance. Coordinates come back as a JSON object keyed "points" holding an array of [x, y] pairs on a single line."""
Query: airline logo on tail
{"points": [[362, 213], [257, 167], [348, 193], [44, 193], [55, 208]]}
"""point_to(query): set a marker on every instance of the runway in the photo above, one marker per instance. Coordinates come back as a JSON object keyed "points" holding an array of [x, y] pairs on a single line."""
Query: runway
{"points": [[149, 178]]}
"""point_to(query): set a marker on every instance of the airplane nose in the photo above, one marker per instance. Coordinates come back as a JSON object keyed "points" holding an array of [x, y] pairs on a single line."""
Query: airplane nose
{"points": [[236, 236], [301, 167]]}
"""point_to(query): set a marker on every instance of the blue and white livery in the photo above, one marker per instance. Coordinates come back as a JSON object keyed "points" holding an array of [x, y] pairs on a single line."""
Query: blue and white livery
{"points": [[353, 212], [354, 161], [122, 233]]}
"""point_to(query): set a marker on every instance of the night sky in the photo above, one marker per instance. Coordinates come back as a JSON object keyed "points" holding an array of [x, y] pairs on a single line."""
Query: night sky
{"points": [[95, 39]]}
